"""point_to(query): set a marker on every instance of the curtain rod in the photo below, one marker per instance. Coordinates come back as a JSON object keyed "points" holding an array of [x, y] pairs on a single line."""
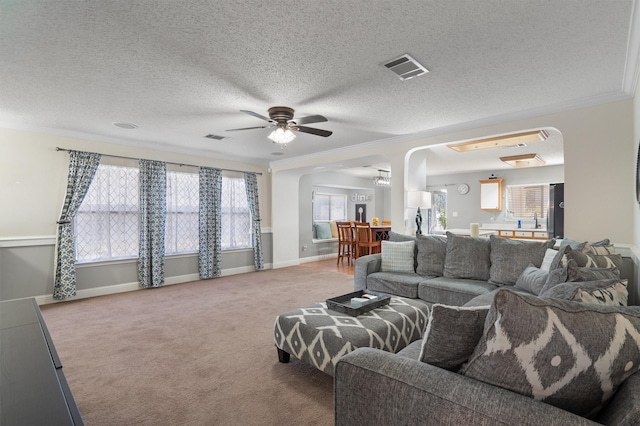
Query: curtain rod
{"points": [[168, 162]]}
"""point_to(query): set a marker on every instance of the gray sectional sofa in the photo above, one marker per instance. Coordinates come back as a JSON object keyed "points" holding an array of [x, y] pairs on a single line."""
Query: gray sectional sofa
{"points": [[490, 298]]}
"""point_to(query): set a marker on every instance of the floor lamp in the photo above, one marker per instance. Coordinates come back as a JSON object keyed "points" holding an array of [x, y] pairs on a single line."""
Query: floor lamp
{"points": [[417, 200]]}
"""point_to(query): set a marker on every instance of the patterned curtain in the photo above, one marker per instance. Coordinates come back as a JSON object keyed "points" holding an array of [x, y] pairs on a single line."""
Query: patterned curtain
{"points": [[82, 168], [210, 255], [153, 212], [251, 183]]}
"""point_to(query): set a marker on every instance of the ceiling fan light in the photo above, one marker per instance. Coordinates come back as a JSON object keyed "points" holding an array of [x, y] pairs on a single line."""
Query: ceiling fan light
{"points": [[282, 136]]}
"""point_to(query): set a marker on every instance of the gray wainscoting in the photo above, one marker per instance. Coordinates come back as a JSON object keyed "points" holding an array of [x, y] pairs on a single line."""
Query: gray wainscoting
{"points": [[27, 269]]}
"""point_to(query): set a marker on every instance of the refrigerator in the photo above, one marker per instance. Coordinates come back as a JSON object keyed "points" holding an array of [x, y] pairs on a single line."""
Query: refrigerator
{"points": [[555, 215]]}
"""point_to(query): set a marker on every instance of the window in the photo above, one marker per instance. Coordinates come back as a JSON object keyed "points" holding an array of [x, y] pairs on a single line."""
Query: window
{"points": [[236, 216], [328, 207], [106, 226], [523, 201], [183, 223]]}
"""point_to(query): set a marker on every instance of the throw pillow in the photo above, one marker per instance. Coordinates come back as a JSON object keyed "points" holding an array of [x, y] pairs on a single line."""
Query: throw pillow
{"points": [[575, 245], [600, 250], [397, 257], [532, 279], [451, 335], [560, 275], [398, 238], [571, 355], [601, 292], [432, 250], [594, 274], [547, 261], [334, 229], [323, 231], [595, 260], [467, 257], [510, 257]]}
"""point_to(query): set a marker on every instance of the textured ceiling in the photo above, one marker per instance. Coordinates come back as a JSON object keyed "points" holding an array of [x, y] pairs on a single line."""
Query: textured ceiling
{"points": [[183, 69]]}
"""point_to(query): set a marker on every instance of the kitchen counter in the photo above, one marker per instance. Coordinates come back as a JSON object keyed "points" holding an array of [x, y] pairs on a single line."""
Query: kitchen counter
{"points": [[515, 232]]}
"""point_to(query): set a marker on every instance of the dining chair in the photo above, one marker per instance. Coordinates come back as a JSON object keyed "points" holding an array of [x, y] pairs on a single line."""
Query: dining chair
{"points": [[346, 241], [366, 242]]}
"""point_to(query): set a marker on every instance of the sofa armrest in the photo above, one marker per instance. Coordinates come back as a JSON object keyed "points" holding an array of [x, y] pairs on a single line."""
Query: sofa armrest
{"points": [[365, 265], [624, 408], [373, 387]]}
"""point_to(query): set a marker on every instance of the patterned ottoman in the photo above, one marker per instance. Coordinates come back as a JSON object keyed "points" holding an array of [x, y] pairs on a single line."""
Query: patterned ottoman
{"points": [[319, 336]]}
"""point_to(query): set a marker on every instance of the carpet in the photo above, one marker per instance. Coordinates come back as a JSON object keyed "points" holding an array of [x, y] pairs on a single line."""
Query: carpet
{"points": [[198, 353]]}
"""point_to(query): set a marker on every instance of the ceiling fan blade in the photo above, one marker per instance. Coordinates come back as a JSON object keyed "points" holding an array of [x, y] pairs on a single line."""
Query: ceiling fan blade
{"points": [[310, 119], [255, 114], [313, 131], [248, 128]]}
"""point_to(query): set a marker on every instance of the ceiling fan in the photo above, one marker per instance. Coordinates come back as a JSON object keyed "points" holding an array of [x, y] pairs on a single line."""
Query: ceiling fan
{"points": [[281, 118]]}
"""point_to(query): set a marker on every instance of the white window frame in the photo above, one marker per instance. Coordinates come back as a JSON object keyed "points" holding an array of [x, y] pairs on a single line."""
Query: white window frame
{"points": [[332, 198], [241, 209], [514, 213]]}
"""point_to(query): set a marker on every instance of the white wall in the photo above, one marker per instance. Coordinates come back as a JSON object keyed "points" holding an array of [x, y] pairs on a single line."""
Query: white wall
{"points": [[467, 206], [34, 177], [599, 169]]}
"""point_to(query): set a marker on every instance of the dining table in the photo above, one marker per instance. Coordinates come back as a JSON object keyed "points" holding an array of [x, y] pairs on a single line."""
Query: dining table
{"points": [[381, 232]]}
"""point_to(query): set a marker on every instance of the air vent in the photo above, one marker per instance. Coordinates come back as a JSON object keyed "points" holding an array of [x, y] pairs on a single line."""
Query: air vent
{"points": [[216, 137], [405, 67]]}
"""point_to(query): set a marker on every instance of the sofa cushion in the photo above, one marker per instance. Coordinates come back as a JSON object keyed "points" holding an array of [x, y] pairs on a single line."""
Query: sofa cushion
{"points": [[602, 292], [510, 257], [404, 284], [397, 256], [451, 335], [467, 257], [487, 298], [452, 291], [568, 354], [432, 250]]}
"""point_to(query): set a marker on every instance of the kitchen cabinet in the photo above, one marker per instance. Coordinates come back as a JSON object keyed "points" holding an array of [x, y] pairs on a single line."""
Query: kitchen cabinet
{"points": [[525, 234], [491, 194]]}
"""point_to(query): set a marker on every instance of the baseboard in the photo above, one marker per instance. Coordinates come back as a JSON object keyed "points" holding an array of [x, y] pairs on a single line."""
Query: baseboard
{"points": [[133, 286], [318, 258]]}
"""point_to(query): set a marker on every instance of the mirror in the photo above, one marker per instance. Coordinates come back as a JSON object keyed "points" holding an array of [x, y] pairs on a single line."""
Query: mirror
{"points": [[491, 194]]}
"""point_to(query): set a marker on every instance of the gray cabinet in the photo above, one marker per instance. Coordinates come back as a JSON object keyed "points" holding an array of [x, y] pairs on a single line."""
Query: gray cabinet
{"points": [[33, 388]]}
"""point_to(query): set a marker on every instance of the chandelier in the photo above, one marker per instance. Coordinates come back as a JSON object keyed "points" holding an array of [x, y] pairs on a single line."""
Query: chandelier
{"points": [[382, 180]]}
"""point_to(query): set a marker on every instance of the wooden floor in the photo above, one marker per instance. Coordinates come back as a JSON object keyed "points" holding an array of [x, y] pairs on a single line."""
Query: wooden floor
{"points": [[330, 265]]}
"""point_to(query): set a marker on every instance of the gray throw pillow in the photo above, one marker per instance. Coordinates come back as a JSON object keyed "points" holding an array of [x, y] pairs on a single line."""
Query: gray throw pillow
{"points": [[397, 257], [432, 250], [571, 355], [595, 260], [451, 335], [594, 274], [575, 245], [560, 275], [601, 292], [467, 257], [532, 279], [510, 257]]}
